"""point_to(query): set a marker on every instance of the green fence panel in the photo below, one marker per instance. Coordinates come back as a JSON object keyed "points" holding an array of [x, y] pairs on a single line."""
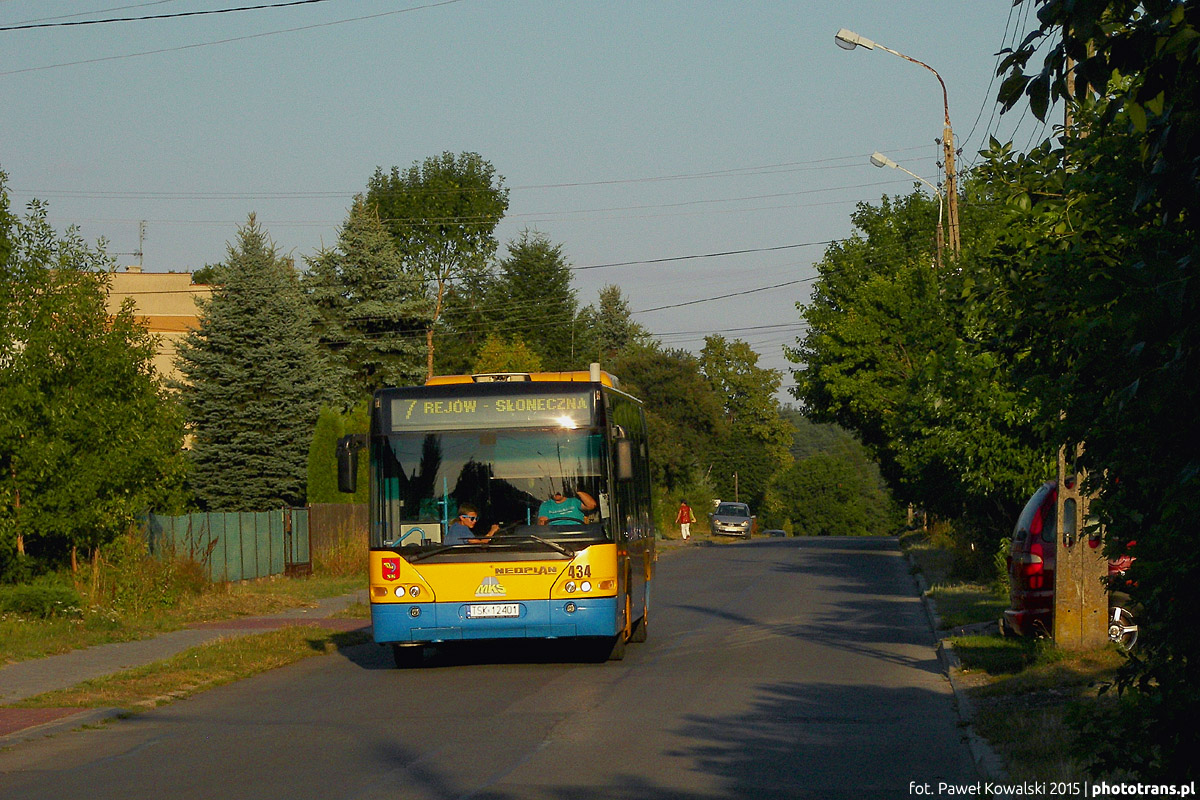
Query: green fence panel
{"points": [[233, 546], [275, 554]]}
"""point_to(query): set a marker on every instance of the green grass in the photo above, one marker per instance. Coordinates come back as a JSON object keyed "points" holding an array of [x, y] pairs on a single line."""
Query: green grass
{"points": [[198, 669], [23, 637], [961, 604], [1028, 695], [1029, 715]]}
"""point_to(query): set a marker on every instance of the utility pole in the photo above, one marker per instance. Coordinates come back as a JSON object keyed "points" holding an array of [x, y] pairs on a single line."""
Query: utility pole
{"points": [[848, 40]]}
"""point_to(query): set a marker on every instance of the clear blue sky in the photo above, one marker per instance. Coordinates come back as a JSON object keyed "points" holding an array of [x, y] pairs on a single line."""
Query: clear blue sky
{"points": [[627, 132]]}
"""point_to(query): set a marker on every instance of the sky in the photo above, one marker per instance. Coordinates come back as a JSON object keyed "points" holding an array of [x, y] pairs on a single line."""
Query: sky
{"points": [[700, 155]]}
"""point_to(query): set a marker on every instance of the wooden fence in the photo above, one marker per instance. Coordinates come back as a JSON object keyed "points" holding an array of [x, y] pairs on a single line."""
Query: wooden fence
{"points": [[334, 528]]}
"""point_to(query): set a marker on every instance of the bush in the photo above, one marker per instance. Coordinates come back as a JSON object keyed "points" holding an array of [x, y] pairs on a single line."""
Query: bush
{"points": [[129, 579], [44, 598]]}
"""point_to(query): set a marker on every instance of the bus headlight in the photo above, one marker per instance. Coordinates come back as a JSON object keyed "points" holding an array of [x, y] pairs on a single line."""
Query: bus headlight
{"points": [[415, 591], [399, 591], [586, 586], [570, 587]]}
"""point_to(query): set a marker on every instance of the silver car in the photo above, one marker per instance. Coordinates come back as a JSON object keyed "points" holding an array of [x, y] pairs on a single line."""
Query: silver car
{"points": [[731, 519]]}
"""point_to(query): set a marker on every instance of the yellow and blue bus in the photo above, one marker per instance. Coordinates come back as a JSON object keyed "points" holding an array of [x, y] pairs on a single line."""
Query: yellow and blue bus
{"points": [[506, 443]]}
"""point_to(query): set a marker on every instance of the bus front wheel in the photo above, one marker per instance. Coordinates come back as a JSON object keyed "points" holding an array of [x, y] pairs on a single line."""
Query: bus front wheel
{"points": [[408, 656]]}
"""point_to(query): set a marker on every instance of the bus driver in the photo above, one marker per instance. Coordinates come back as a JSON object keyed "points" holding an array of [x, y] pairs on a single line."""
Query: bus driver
{"points": [[561, 510]]}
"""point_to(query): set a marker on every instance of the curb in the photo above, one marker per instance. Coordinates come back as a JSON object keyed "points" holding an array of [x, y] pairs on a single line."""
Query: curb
{"points": [[987, 761], [85, 717]]}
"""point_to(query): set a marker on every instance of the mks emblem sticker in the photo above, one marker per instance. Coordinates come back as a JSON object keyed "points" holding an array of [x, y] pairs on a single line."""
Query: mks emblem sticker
{"points": [[490, 587]]}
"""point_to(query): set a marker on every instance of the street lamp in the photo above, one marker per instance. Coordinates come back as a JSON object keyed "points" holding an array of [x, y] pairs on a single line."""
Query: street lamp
{"points": [[848, 40], [878, 159]]}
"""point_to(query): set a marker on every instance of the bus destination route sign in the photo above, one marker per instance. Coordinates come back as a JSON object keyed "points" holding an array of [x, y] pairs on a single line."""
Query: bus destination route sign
{"points": [[531, 410]]}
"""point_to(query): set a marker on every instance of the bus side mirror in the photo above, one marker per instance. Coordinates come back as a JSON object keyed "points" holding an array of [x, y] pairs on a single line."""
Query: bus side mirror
{"points": [[624, 460], [347, 461]]}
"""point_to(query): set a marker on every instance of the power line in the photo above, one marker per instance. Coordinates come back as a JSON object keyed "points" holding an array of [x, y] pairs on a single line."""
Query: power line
{"points": [[175, 15], [724, 296], [101, 11], [856, 160], [230, 40]]}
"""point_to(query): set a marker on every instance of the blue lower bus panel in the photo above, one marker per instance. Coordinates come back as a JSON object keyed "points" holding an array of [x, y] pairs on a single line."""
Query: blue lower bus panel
{"points": [[531, 619]]}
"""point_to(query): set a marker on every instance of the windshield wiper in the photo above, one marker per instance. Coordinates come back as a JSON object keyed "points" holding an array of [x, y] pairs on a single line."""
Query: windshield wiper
{"points": [[566, 551]]}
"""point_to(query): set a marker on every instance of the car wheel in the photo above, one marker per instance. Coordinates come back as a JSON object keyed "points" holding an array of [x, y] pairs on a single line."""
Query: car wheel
{"points": [[1122, 625]]}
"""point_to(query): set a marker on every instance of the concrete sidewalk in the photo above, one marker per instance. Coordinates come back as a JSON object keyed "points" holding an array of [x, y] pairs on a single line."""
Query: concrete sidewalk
{"points": [[29, 678]]}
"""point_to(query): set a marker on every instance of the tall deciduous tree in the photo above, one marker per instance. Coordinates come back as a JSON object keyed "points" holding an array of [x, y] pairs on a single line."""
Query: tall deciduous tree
{"points": [[891, 354], [371, 311], [757, 441], [442, 214], [1108, 250], [499, 354], [683, 413], [89, 439], [253, 382]]}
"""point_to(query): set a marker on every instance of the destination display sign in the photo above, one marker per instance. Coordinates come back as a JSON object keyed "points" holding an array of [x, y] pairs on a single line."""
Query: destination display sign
{"points": [[497, 411]]}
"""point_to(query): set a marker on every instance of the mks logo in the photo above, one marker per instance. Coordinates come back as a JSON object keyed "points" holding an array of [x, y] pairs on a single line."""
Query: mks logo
{"points": [[490, 587]]}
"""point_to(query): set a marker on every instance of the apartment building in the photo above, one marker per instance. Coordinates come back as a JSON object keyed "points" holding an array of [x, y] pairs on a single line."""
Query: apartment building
{"points": [[165, 302]]}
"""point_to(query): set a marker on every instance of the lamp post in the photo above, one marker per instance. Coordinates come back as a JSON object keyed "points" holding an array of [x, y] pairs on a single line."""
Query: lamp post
{"points": [[848, 40], [878, 159]]}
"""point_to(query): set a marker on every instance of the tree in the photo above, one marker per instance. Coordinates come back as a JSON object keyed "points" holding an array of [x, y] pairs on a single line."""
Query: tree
{"points": [[253, 382], [506, 355], [892, 354], [534, 301], [331, 426], [829, 494], [610, 326], [442, 214], [757, 441], [683, 413], [1107, 249], [371, 311], [89, 438]]}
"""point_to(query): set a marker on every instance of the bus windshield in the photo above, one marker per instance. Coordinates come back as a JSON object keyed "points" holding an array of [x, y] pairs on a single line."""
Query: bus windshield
{"points": [[423, 477]]}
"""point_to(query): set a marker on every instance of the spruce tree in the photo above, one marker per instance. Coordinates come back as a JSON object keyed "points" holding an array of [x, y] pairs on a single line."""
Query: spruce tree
{"points": [[535, 301], [371, 311], [253, 382]]}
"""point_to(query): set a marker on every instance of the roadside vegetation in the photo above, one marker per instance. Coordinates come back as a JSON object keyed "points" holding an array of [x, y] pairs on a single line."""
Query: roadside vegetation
{"points": [[1038, 706], [199, 669], [131, 595]]}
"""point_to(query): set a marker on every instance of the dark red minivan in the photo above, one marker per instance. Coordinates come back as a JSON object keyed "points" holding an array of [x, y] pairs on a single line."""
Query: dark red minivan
{"points": [[1031, 565]]}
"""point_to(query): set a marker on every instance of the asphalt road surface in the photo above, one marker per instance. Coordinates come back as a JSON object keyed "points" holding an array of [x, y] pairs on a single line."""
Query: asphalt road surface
{"points": [[780, 668]]}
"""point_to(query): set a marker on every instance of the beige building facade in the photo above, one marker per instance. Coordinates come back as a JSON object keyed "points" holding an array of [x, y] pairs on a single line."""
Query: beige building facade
{"points": [[165, 302]]}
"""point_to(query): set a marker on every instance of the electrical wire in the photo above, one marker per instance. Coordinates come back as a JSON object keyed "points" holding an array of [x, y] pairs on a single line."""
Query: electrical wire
{"points": [[175, 15], [230, 40]]}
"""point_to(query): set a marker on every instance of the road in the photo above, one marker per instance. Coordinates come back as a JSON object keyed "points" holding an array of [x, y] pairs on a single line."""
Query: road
{"points": [[779, 668]]}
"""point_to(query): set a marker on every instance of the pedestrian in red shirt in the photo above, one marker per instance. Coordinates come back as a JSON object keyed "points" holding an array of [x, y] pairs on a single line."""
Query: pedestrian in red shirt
{"points": [[685, 519]]}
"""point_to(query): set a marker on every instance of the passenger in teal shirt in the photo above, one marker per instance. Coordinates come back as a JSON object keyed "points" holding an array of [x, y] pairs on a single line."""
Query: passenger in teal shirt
{"points": [[562, 510]]}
